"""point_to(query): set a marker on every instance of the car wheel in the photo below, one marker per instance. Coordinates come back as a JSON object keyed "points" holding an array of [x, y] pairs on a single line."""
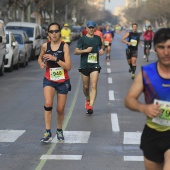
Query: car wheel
{"points": [[24, 62], [2, 69], [16, 66], [11, 66]]}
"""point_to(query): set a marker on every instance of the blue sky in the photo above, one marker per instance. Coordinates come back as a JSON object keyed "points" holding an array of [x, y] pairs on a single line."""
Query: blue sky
{"points": [[113, 3]]}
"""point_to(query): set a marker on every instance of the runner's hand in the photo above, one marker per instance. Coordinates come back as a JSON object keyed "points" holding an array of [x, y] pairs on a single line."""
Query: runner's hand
{"points": [[152, 110], [89, 49]]}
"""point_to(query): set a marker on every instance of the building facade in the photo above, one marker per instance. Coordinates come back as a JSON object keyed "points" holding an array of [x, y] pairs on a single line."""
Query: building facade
{"points": [[134, 3], [99, 4]]}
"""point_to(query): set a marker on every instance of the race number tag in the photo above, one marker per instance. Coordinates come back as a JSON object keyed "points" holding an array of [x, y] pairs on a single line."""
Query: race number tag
{"points": [[164, 118], [92, 58], [106, 43], [133, 42], [57, 73]]}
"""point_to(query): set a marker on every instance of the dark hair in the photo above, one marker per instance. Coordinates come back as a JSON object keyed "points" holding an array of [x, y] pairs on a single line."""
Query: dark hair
{"points": [[54, 23], [134, 24], [162, 35]]}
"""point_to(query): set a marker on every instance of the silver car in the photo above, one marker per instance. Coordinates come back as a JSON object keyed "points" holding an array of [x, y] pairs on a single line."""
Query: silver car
{"points": [[2, 47], [24, 46], [12, 52]]}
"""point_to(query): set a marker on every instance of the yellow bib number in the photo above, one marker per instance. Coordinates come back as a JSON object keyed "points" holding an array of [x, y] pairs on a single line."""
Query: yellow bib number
{"points": [[57, 74], [92, 58], [164, 118], [133, 42], [106, 43]]}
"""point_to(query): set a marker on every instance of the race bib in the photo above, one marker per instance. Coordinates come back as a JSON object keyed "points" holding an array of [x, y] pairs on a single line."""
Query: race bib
{"points": [[133, 42], [106, 43], [164, 118], [57, 74], [92, 58]]}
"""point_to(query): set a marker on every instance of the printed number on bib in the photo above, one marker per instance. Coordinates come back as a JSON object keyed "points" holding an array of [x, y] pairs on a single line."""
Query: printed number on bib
{"points": [[133, 42], [92, 58], [164, 118], [56, 74], [106, 43]]}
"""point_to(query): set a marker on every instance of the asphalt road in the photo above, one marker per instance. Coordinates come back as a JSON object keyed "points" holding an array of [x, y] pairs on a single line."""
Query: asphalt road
{"points": [[107, 140]]}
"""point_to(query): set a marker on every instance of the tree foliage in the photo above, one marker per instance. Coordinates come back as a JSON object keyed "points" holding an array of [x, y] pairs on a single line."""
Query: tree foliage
{"points": [[58, 10], [156, 11]]}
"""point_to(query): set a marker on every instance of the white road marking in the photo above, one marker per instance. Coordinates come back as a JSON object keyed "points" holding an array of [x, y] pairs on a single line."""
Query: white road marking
{"points": [[108, 70], [74, 137], [108, 63], [110, 80], [61, 157], [10, 135], [115, 122], [133, 158], [132, 138], [111, 95]]}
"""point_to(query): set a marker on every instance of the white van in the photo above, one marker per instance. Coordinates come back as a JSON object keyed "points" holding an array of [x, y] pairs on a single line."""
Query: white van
{"points": [[34, 33], [2, 47]]}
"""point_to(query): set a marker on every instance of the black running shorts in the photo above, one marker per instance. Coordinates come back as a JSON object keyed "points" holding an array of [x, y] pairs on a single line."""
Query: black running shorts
{"points": [[154, 144], [87, 71]]}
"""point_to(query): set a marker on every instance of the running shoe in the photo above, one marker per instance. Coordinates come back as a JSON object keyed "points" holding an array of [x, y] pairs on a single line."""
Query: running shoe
{"points": [[133, 76], [130, 70], [87, 102], [144, 56], [47, 137], [60, 136], [89, 110]]}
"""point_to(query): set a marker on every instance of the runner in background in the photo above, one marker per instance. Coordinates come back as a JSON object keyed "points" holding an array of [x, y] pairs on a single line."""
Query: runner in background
{"points": [[107, 40], [66, 34]]}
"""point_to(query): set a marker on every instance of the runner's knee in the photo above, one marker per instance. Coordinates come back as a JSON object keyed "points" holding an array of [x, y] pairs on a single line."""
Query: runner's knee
{"points": [[48, 108]]}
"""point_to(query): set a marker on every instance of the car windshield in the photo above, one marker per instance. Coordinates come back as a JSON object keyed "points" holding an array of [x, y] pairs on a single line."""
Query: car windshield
{"points": [[7, 38], [18, 38], [28, 30]]}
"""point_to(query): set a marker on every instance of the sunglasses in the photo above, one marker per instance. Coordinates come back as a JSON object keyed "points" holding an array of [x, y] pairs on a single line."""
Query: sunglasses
{"points": [[54, 31], [91, 27]]}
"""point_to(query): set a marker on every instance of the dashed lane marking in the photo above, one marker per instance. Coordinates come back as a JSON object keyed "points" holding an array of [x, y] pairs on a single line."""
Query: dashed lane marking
{"points": [[115, 122], [132, 138], [133, 158], [111, 95], [110, 80], [74, 137], [61, 157], [108, 63], [108, 70], [10, 135]]}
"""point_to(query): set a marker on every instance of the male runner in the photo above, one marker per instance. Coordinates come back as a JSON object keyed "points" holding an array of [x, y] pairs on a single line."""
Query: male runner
{"points": [[89, 47], [154, 81], [132, 39]]}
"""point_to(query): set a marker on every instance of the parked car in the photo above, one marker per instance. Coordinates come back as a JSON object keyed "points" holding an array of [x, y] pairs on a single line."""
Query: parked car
{"points": [[33, 31], [22, 42], [28, 45], [2, 47], [12, 52], [76, 32]]}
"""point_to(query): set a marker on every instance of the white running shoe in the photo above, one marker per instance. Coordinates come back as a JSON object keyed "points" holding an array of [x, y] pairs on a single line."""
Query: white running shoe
{"points": [[144, 56]]}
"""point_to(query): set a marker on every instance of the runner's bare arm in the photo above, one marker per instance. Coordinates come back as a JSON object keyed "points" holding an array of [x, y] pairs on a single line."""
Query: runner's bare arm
{"points": [[77, 51], [40, 58], [66, 64], [131, 99], [124, 39]]}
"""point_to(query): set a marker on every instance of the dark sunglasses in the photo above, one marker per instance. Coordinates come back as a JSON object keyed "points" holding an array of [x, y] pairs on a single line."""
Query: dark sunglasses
{"points": [[91, 27], [54, 31]]}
